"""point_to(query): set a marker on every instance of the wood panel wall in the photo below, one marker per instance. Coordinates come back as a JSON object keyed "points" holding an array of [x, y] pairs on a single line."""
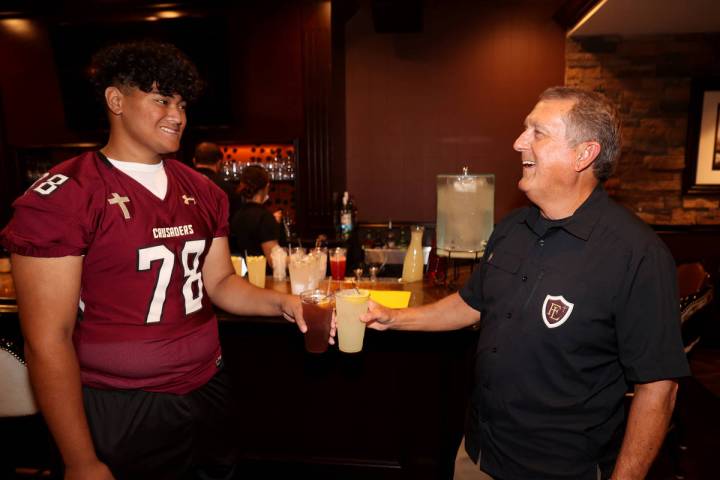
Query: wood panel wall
{"points": [[455, 94]]}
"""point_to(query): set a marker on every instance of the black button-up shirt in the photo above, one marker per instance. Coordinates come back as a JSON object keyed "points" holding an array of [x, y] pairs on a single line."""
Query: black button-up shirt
{"points": [[573, 311]]}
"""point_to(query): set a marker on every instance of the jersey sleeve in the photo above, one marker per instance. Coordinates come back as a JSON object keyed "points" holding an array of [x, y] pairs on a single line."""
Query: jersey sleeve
{"points": [[53, 218], [648, 320]]}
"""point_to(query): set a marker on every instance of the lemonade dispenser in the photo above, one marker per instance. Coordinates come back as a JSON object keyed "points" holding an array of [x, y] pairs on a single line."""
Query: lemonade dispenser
{"points": [[465, 205]]}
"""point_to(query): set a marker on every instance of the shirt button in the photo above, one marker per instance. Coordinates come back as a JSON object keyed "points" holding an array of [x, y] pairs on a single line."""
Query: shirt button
{"points": [[508, 315], [524, 278], [541, 242], [494, 350]]}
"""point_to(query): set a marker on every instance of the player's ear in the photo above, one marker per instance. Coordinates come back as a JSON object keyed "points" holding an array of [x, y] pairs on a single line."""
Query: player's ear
{"points": [[114, 100]]}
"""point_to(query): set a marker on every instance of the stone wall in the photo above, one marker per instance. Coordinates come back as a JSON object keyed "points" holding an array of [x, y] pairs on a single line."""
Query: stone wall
{"points": [[649, 77]]}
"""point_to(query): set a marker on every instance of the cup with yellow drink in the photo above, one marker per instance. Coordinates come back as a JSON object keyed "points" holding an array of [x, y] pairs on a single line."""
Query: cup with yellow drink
{"points": [[256, 270], [350, 304]]}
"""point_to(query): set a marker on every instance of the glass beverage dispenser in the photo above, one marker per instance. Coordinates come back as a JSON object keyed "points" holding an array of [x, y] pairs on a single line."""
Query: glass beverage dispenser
{"points": [[465, 205]]}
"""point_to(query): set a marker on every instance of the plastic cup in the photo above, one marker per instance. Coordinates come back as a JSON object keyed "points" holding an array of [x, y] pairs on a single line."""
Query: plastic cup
{"points": [[256, 270], [320, 257], [238, 265], [317, 308], [279, 260], [351, 304], [303, 272], [338, 261]]}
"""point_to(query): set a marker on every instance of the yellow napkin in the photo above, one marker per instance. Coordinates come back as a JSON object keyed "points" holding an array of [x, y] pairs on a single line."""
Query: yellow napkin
{"points": [[391, 298]]}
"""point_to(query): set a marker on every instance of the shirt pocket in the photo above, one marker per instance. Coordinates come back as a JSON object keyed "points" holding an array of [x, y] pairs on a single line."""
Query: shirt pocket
{"points": [[502, 267]]}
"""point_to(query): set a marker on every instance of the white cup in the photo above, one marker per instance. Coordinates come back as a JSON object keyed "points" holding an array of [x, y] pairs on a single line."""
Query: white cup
{"points": [[279, 261]]}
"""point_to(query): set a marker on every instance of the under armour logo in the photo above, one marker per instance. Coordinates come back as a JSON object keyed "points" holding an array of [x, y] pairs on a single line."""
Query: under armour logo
{"points": [[187, 200], [120, 201]]}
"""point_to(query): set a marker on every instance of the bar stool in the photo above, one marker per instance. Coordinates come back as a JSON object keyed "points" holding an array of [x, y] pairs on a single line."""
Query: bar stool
{"points": [[17, 411], [696, 292], [16, 397]]}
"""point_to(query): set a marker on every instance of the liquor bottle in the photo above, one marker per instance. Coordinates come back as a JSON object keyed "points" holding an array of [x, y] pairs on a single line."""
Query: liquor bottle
{"points": [[337, 206], [403, 238], [346, 217], [390, 236]]}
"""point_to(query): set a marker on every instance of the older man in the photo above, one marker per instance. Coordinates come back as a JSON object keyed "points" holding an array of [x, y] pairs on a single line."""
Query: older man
{"points": [[577, 301]]}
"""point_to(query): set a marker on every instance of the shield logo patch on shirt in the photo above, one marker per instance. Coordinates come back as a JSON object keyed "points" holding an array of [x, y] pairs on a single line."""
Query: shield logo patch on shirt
{"points": [[556, 310]]}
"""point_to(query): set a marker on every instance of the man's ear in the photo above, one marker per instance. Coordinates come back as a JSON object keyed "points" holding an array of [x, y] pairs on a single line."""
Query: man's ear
{"points": [[114, 100], [587, 153]]}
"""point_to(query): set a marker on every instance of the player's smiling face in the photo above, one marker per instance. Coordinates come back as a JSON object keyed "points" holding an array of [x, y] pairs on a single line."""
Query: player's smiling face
{"points": [[153, 122]]}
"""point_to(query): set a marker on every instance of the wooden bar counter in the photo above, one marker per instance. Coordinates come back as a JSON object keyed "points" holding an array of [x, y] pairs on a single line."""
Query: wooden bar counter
{"points": [[393, 411]]}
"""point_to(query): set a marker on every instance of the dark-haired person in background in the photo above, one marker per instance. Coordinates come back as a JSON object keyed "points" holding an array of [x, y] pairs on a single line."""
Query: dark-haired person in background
{"points": [[255, 229], [117, 256], [577, 301], [207, 161]]}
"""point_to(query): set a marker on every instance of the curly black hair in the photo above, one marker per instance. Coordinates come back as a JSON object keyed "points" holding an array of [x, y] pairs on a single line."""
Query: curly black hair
{"points": [[146, 64]]}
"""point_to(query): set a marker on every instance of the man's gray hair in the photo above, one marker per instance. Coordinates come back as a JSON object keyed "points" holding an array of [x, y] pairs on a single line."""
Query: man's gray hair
{"points": [[592, 118]]}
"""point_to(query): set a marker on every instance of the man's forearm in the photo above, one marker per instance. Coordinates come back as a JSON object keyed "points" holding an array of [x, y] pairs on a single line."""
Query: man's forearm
{"points": [[650, 413], [55, 377], [450, 313]]}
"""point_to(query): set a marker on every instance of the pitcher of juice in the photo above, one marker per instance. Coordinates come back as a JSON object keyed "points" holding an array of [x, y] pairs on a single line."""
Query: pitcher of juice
{"points": [[413, 264]]}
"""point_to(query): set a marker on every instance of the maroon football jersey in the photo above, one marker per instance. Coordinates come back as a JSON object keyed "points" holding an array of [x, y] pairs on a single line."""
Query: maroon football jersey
{"points": [[146, 321]]}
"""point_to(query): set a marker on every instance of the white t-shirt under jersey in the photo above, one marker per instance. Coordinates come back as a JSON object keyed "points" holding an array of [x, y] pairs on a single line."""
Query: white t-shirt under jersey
{"points": [[152, 177]]}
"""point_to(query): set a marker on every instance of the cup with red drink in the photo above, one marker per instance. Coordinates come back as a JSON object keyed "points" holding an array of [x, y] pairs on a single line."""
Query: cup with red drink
{"points": [[338, 260]]}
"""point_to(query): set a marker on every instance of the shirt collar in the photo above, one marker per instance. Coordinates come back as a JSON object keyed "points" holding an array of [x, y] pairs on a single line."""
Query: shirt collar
{"points": [[580, 224]]}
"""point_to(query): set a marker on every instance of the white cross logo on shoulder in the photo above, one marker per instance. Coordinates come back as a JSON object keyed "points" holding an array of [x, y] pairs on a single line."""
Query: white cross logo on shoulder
{"points": [[556, 310], [120, 202]]}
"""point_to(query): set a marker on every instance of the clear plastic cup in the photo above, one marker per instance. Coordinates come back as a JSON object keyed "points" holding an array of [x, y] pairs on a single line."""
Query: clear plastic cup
{"points": [[303, 272], [351, 304], [279, 261], [321, 258], [238, 265], [317, 307], [256, 270], [338, 263]]}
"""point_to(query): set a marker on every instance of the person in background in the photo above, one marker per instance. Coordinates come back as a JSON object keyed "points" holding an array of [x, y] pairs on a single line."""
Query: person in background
{"points": [[255, 229], [207, 160], [577, 302], [118, 256]]}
